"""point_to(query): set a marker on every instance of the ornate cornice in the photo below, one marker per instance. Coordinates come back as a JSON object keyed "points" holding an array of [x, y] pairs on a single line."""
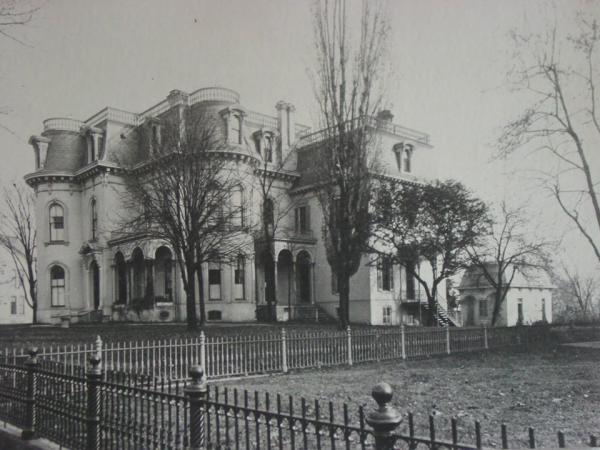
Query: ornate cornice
{"points": [[89, 171]]}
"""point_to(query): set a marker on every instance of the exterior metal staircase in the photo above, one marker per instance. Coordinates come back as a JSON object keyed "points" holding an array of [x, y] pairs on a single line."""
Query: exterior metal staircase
{"points": [[442, 317]]}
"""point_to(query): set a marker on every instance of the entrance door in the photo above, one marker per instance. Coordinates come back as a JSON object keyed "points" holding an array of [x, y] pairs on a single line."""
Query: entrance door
{"points": [[95, 284], [469, 306]]}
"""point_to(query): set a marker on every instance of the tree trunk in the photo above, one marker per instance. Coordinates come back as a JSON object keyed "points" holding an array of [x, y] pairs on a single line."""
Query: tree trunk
{"points": [[432, 304], [201, 297], [344, 293], [190, 297], [499, 297]]}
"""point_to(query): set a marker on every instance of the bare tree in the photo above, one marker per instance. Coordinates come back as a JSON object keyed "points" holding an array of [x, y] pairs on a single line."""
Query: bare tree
{"points": [[435, 223], [182, 194], [578, 296], [18, 238], [15, 14], [348, 75], [505, 251], [276, 205], [559, 77]]}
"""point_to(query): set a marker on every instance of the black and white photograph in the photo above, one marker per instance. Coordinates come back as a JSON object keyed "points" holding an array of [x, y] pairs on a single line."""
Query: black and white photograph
{"points": [[299, 224]]}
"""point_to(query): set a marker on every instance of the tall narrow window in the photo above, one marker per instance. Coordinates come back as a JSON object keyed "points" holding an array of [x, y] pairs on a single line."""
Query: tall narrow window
{"points": [[13, 305], [239, 278], [387, 315], [544, 317], [214, 282], [301, 219], [57, 223], [410, 281], [236, 129], [335, 288], [57, 286], [269, 148], [385, 279], [399, 154], [237, 209], [407, 158], [483, 308], [520, 317], [121, 272], [94, 220]]}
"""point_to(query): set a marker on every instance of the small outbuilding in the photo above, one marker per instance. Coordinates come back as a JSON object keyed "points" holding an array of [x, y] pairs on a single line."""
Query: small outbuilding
{"points": [[528, 300]]}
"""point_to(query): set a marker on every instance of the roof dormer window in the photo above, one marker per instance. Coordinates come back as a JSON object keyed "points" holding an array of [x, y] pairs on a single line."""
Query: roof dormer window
{"points": [[265, 141], [234, 123], [403, 154], [408, 149], [95, 142], [236, 129]]}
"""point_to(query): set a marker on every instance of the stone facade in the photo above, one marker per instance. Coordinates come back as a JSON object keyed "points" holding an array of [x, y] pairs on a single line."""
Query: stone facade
{"points": [[88, 270]]}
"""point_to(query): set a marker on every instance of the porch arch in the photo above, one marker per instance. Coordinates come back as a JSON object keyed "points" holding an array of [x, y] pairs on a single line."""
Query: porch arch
{"points": [[285, 274]]}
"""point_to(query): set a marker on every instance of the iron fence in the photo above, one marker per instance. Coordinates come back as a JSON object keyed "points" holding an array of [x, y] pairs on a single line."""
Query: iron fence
{"points": [[235, 356], [98, 412]]}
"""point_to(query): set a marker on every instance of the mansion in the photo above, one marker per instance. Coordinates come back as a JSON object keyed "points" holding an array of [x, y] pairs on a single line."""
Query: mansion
{"points": [[89, 270]]}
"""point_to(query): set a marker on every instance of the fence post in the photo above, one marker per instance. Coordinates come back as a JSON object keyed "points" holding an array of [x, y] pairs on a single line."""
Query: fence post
{"points": [[448, 339], [485, 338], [284, 363], [30, 411], [403, 340], [196, 391], [385, 419], [93, 378], [202, 361], [349, 344]]}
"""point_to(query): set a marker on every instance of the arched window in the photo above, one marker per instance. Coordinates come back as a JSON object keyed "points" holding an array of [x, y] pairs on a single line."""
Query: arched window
{"points": [[163, 277], [57, 286], [236, 129], [57, 223], [268, 148], [121, 272], [93, 220], [399, 154], [139, 274], [407, 158], [237, 207]]}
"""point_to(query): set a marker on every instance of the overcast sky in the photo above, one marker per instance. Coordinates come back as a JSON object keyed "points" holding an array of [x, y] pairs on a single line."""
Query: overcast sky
{"points": [[449, 61]]}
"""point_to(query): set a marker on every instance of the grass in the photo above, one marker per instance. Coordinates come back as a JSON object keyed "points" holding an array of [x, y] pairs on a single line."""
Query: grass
{"points": [[46, 335], [549, 390]]}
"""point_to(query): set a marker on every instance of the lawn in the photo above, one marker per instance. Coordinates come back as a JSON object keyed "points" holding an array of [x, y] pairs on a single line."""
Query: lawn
{"points": [[549, 390], [46, 335]]}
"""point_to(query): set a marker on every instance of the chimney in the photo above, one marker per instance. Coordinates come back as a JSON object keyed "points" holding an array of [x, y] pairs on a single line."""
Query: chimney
{"points": [[385, 116], [282, 123], [291, 127]]}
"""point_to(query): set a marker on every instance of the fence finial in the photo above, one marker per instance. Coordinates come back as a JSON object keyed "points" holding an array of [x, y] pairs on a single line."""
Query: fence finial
{"points": [[96, 358], [32, 352], [385, 418], [196, 373]]}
